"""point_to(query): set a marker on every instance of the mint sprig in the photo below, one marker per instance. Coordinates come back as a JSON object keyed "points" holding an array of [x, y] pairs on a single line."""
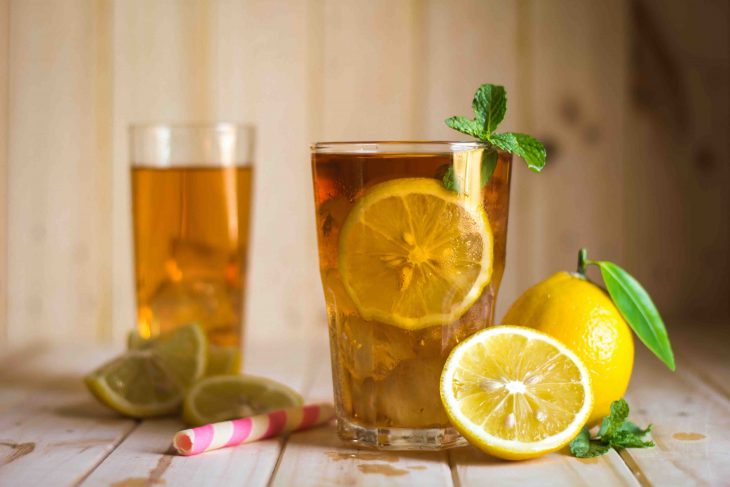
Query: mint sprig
{"points": [[490, 106], [616, 432], [635, 305]]}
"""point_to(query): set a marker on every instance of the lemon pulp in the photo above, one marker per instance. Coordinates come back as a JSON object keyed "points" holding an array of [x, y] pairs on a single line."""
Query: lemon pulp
{"points": [[413, 254], [582, 316]]}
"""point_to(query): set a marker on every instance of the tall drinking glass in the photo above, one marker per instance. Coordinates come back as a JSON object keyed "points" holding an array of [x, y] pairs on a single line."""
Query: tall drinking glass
{"points": [[191, 204], [411, 242]]}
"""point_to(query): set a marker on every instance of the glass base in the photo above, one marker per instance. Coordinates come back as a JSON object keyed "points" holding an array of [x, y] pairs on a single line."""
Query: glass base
{"points": [[400, 438]]}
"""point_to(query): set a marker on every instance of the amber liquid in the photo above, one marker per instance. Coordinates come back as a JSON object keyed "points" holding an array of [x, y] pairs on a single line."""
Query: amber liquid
{"points": [[191, 231], [386, 376]]}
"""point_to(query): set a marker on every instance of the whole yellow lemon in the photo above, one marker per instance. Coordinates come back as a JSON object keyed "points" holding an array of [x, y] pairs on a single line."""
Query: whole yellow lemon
{"points": [[583, 317]]}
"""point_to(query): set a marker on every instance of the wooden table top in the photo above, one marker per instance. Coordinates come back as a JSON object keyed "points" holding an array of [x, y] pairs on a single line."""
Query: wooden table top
{"points": [[53, 433]]}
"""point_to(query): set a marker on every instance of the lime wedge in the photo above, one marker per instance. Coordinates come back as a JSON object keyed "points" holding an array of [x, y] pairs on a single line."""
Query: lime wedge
{"points": [[221, 360], [137, 385], [151, 378], [224, 397]]}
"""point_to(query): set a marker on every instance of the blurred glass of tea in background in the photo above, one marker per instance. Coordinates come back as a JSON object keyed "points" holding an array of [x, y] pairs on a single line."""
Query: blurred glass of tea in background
{"points": [[191, 204]]}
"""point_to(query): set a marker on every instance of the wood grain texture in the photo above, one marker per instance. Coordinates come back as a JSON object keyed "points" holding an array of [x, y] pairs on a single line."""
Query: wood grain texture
{"points": [[621, 179], [691, 421], [53, 431], [4, 67], [474, 468], [59, 190]]}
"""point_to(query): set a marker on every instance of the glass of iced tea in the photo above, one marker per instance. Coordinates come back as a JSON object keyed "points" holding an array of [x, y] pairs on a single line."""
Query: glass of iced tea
{"points": [[411, 242], [191, 203]]}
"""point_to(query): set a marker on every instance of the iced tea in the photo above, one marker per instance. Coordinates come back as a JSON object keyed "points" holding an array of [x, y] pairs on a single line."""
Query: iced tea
{"points": [[191, 204], [412, 249]]}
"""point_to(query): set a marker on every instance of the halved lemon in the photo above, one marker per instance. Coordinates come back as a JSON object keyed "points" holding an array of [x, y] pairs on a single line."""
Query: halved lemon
{"points": [[413, 254], [516, 393], [224, 397]]}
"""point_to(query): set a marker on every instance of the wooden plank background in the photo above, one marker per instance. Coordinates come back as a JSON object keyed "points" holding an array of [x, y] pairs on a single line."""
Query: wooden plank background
{"points": [[621, 180]]}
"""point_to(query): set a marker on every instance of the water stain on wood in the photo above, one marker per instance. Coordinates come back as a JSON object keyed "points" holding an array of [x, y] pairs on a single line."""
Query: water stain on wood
{"points": [[362, 455], [682, 436], [417, 467], [18, 450], [154, 478], [136, 482], [588, 460], [162, 465], [382, 469]]}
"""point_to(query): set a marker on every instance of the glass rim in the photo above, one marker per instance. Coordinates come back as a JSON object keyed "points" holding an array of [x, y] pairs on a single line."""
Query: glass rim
{"points": [[190, 125], [191, 144], [394, 146]]}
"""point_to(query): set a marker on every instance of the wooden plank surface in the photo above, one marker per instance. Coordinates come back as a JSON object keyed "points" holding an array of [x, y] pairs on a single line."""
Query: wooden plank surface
{"points": [[474, 468], [691, 424], [145, 456], [53, 433]]}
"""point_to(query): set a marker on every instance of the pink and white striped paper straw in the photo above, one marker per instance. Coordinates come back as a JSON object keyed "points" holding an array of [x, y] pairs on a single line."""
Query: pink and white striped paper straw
{"points": [[246, 430]]}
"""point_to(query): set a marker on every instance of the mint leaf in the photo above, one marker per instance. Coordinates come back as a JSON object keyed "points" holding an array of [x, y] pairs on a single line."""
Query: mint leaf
{"points": [[449, 180], [626, 439], [583, 447], [634, 429], [528, 148], [465, 126], [615, 432], [490, 105], [614, 421], [638, 310], [489, 163]]}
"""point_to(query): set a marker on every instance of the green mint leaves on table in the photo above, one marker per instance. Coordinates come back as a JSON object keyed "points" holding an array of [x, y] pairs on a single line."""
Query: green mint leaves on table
{"points": [[616, 432], [635, 305], [490, 106]]}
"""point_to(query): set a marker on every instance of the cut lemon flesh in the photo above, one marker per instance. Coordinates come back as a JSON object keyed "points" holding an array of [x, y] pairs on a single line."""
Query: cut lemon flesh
{"points": [[225, 397], [413, 254], [516, 393]]}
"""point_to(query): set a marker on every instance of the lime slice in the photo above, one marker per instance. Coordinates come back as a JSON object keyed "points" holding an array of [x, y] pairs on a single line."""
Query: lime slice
{"points": [[221, 360], [183, 352], [137, 385], [151, 379], [225, 397], [413, 254], [516, 393]]}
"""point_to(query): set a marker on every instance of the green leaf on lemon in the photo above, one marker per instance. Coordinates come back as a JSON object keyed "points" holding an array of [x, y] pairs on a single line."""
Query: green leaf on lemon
{"points": [[638, 310]]}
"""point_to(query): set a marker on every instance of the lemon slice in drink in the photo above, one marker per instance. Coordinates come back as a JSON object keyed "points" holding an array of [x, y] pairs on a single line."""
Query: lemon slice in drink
{"points": [[224, 397], [151, 380], [516, 393], [413, 254]]}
